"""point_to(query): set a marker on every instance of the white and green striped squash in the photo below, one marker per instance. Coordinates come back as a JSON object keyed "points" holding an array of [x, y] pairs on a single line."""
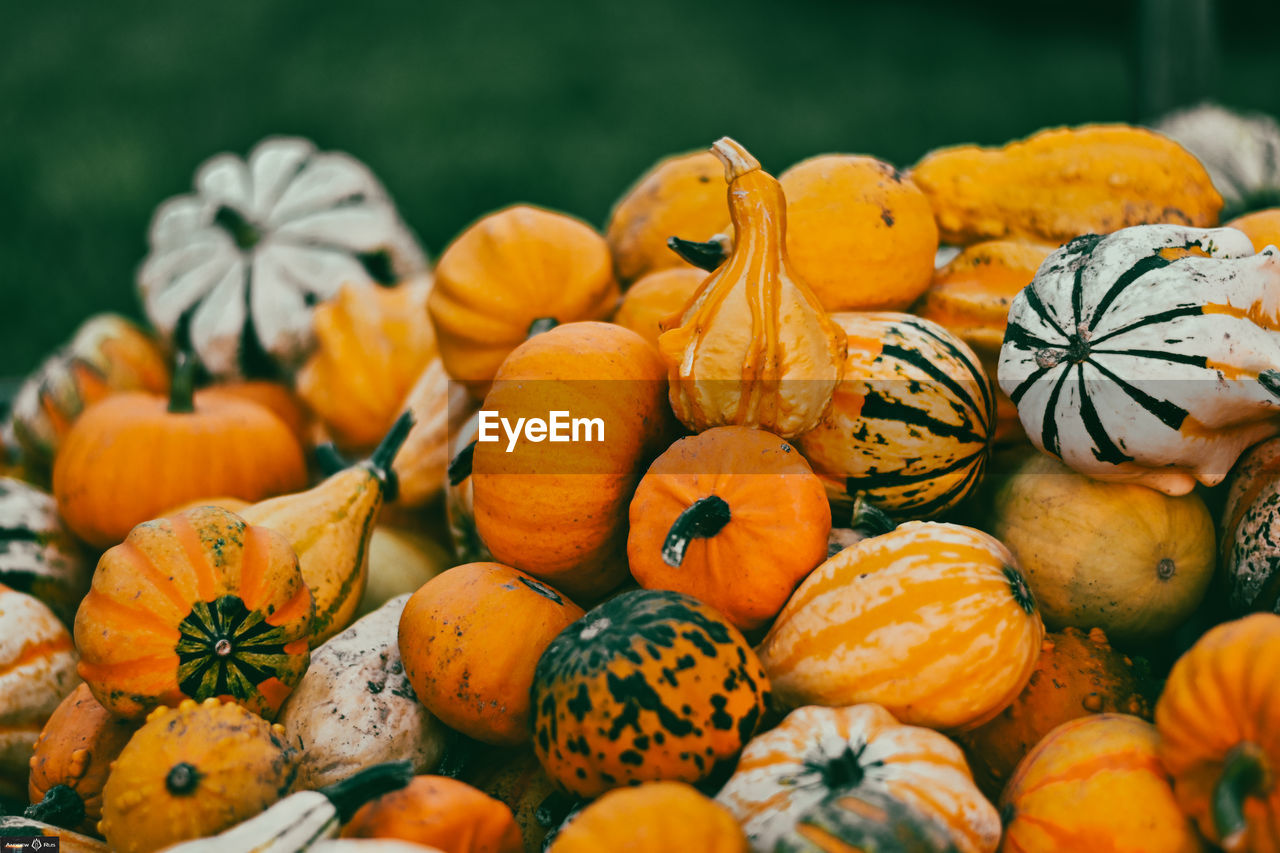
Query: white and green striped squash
{"points": [[1148, 355], [910, 424], [38, 555]]}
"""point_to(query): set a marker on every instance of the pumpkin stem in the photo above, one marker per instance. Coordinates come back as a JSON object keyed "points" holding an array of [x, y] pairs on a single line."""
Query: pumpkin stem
{"points": [[1244, 775], [706, 256], [182, 387], [245, 234], [1021, 592], [183, 779], [61, 806], [702, 519], [329, 460], [843, 771], [385, 454], [460, 465], [1270, 380], [869, 519], [736, 159], [540, 325], [353, 792]]}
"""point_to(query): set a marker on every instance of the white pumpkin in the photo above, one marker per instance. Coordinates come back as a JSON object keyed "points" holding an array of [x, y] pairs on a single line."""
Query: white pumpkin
{"points": [[1240, 151], [1149, 355], [236, 266]]}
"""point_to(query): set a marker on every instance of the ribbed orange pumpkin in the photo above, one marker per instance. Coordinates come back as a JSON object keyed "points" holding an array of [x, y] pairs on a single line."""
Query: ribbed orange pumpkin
{"points": [[734, 517], [656, 817], [1095, 783], [942, 602], [656, 297], [1218, 719], [198, 605], [440, 813]]}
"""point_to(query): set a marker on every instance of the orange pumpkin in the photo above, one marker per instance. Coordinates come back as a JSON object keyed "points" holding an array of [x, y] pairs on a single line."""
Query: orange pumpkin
{"points": [[1095, 783], [197, 605], [1218, 718], [278, 398], [518, 780], [559, 510], [509, 275], [455, 639], [439, 812], [656, 297], [656, 817], [1262, 227], [733, 517], [942, 602]]}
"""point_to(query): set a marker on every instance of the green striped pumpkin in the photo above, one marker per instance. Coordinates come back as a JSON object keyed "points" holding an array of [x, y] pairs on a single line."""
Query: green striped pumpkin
{"points": [[910, 425], [1148, 355]]}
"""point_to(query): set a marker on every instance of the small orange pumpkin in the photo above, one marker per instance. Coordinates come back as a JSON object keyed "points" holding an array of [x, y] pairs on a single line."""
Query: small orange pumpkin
{"points": [[656, 297], [276, 397], [442, 813], [656, 817], [1262, 227]]}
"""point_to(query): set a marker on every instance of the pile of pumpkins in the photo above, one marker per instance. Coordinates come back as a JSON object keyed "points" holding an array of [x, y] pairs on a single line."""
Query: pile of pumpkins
{"points": [[897, 533]]}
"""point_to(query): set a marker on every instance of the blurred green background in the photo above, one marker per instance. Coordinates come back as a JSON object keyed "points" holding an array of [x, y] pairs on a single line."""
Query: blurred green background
{"points": [[106, 109]]}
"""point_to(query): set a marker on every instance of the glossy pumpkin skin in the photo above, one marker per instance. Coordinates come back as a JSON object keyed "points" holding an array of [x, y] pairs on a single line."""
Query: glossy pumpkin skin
{"points": [[1158, 551], [1077, 674], [1249, 531], [754, 347], [1148, 355], [866, 820], [38, 555], [819, 752], [1218, 709], [655, 297], [197, 605], [37, 670], [439, 812], [75, 749], [502, 273], [734, 517], [910, 423], [108, 354], [559, 511], [1063, 182], [191, 772], [456, 640], [941, 601], [652, 818], [651, 685], [1095, 783]]}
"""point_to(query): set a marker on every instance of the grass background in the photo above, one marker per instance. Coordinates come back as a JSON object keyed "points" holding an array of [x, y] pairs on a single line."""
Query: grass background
{"points": [[106, 109]]}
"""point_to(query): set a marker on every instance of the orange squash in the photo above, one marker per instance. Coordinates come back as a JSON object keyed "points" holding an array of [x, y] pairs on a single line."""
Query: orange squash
{"points": [[442, 813], [1095, 783], [655, 817], [1262, 227], [517, 779], [455, 639], [509, 275], [942, 602], [656, 297], [276, 397], [733, 517], [197, 605]]}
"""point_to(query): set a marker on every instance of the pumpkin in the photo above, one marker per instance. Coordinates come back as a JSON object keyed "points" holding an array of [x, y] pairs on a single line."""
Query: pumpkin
{"points": [[513, 273], [436, 811], [910, 423], [1095, 783], [517, 779], [372, 343], [656, 297], [816, 752], [38, 555], [188, 447], [754, 347], [329, 526], [37, 670], [1077, 674], [1148, 355], [459, 501], [1216, 719], [1249, 531], [193, 771], [440, 407], [655, 817], [1262, 227], [1125, 558], [72, 759], [455, 638], [650, 685], [559, 510], [1240, 151], [942, 602], [235, 268], [400, 561], [734, 517], [107, 354], [197, 605], [279, 399], [680, 194], [970, 296], [1063, 182], [355, 707], [865, 819]]}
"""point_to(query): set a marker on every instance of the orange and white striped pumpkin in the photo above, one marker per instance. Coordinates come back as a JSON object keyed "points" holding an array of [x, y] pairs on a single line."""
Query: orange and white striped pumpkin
{"points": [[933, 621], [817, 751], [37, 671]]}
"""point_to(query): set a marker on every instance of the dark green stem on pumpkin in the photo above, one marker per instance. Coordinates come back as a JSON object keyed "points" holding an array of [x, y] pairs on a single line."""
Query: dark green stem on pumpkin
{"points": [[540, 325], [1244, 775], [353, 792], [61, 806], [245, 234], [706, 256], [869, 519], [702, 519], [183, 780], [182, 387], [843, 771], [385, 454], [460, 465], [329, 460]]}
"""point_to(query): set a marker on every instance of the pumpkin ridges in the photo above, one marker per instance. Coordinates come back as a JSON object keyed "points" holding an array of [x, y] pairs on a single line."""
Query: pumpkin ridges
{"points": [[207, 586]]}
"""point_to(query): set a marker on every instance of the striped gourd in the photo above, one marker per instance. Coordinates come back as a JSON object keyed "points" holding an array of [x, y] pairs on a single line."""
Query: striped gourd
{"points": [[1148, 355], [910, 424], [38, 555], [932, 621], [816, 752]]}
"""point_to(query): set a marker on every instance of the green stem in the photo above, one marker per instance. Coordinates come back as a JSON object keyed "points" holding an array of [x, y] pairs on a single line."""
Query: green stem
{"points": [[869, 519], [385, 454], [1244, 775], [460, 465], [182, 780], [182, 387], [353, 792], [540, 325], [329, 460], [245, 234], [61, 806], [702, 519], [707, 256]]}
